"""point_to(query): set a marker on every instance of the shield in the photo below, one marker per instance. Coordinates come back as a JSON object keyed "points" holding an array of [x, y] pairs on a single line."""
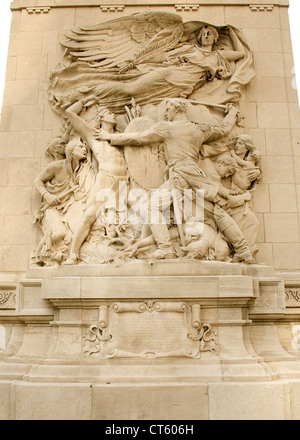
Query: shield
{"points": [[146, 164]]}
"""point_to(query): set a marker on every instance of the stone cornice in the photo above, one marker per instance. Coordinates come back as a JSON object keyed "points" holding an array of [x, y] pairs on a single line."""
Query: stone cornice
{"points": [[39, 6]]}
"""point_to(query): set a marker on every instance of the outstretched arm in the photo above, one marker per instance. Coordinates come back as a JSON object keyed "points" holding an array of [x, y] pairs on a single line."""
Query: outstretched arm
{"points": [[153, 135], [79, 124], [238, 52]]}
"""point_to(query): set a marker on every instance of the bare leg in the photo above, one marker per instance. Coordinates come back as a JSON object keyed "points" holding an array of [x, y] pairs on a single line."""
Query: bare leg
{"points": [[81, 233]]}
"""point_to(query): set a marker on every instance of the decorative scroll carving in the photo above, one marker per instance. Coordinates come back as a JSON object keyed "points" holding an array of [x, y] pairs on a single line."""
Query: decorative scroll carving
{"points": [[150, 329], [207, 337], [292, 297], [7, 299]]}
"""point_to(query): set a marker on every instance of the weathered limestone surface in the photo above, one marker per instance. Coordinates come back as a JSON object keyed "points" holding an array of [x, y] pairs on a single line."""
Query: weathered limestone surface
{"points": [[141, 339], [269, 104]]}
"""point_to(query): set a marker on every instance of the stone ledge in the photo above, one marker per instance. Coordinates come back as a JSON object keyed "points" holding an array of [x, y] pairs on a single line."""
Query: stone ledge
{"points": [[22, 4], [154, 268], [175, 287]]}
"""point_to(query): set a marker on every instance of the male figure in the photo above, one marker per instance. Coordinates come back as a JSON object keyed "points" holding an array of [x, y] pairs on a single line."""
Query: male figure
{"points": [[56, 148], [182, 142], [111, 169]]}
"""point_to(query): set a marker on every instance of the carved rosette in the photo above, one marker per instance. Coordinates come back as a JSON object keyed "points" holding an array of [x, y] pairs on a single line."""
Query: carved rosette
{"points": [[149, 329]]}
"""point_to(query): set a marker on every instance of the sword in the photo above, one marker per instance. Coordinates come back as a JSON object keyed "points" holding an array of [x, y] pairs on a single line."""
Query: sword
{"points": [[193, 101]]}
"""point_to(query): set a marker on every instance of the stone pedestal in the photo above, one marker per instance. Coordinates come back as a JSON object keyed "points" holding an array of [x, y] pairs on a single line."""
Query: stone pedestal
{"points": [[162, 336]]}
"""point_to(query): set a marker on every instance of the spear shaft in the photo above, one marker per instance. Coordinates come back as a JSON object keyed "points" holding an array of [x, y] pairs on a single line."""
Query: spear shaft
{"points": [[208, 104]]}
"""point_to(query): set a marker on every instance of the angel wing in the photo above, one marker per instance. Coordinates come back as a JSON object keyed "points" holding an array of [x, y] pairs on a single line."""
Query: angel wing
{"points": [[114, 42]]}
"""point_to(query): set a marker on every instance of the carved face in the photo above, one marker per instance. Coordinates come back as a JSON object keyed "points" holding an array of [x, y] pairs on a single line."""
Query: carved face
{"points": [[79, 152], [224, 170], [60, 148], [56, 148], [206, 37], [170, 112], [109, 117], [240, 147]]}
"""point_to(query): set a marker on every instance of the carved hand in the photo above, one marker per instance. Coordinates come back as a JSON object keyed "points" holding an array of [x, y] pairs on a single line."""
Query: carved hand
{"points": [[247, 196], [102, 135], [220, 73], [88, 101], [223, 192], [255, 174], [51, 199], [129, 65], [210, 73], [231, 108]]}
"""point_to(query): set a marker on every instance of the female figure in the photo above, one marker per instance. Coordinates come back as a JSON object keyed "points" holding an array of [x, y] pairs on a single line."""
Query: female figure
{"points": [[148, 79], [61, 184], [248, 158]]}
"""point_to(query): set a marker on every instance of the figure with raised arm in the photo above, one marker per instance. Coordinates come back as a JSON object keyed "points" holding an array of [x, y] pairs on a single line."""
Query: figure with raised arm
{"points": [[182, 141], [175, 62], [111, 171], [62, 183]]}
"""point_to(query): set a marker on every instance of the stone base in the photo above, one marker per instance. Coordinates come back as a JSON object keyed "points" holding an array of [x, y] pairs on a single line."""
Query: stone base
{"points": [[180, 341], [156, 401]]}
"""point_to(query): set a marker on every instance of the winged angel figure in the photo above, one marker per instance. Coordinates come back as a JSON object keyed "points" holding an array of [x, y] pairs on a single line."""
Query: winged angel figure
{"points": [[149, 57]]}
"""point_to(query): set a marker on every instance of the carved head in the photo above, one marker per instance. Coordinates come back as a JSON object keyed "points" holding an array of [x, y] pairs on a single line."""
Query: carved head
{"points": [[56, 148], [175, 106], [226, 166], [207, 36], [243, 144], [105, 115], [76, 149]]}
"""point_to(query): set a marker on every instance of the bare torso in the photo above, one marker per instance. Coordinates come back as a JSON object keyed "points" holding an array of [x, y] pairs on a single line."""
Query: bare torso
{"points": [[110, 159]]}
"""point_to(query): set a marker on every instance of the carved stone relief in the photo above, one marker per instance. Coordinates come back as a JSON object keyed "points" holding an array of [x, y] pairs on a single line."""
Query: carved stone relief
{"points": [[149, 329], [153, 161], [292, 297], [7, 299]]}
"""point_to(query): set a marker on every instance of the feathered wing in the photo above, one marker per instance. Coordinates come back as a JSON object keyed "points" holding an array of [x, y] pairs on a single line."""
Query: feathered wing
{"points": [[101, 58], [114, 42]]}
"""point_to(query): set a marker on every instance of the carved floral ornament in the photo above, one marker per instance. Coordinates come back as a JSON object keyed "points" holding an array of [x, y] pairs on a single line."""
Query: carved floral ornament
{"points": [[149, 109]]}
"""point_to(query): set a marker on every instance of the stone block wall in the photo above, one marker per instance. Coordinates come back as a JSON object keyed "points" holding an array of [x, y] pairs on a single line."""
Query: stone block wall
{"points": [[270, 105]]}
